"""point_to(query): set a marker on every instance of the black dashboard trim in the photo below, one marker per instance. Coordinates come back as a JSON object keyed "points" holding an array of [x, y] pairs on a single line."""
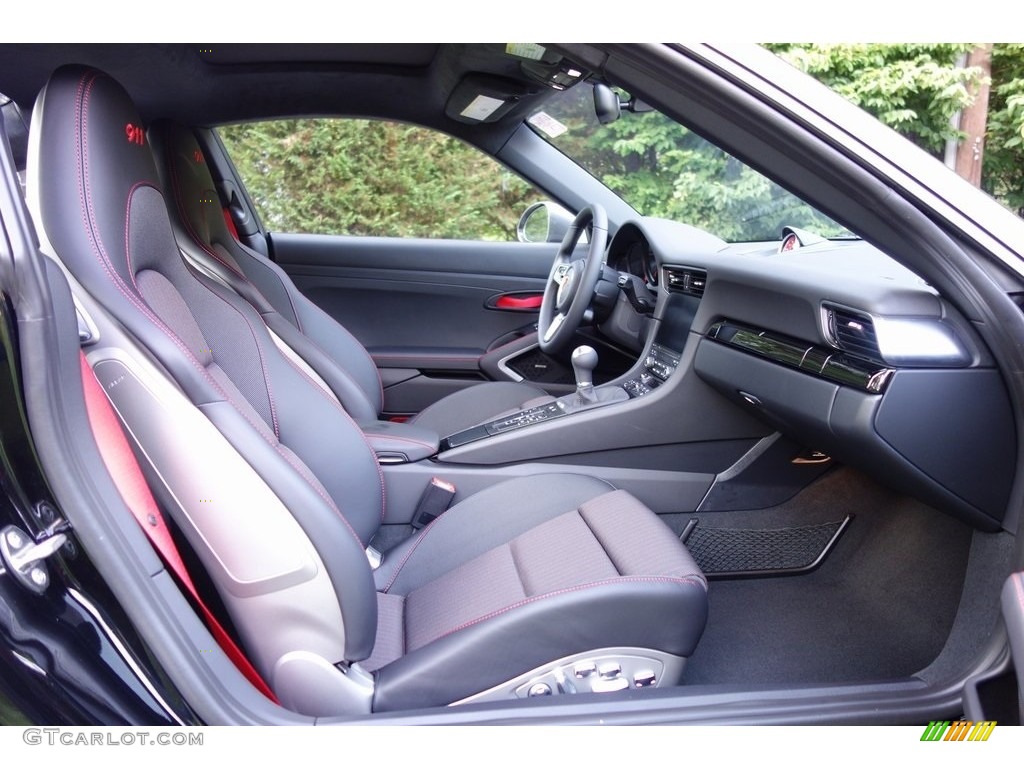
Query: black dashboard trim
{"points": [[792, 353]]}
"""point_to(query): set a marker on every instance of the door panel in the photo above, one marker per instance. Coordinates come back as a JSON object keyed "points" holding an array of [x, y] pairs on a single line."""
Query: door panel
{"points": [[425, 309], [412, 295]]}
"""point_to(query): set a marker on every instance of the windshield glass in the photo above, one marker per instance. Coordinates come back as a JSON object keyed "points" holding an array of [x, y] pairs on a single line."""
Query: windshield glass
{"points": [[663, 169]]}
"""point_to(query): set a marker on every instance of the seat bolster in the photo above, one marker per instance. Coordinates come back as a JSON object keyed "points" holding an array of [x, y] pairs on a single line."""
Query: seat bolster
{"points": [[352, 396], [477, 404], [335, 341], [662, 613], [331, 536], [485, 520]]}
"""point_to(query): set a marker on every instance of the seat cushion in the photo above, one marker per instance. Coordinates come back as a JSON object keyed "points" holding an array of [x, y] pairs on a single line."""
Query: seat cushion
{"points": [[602, 572]]}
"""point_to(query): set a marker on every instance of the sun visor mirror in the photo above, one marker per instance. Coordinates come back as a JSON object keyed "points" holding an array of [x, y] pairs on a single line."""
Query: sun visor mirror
{"points": [[482, 98]]}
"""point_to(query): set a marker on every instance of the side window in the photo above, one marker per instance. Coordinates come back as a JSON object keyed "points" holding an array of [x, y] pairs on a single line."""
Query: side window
{"points": [[343, 176]]}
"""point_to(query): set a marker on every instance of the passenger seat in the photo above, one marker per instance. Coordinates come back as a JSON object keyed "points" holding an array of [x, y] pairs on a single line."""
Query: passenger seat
{"points": [[323, 343]]}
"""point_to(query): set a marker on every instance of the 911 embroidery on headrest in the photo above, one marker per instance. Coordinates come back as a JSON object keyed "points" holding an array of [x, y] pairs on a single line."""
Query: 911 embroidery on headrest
{"points": [[135, 134]]}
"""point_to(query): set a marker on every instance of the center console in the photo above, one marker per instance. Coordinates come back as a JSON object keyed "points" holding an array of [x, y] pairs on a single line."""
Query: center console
{"points": [[519, 420], [658, 366]]}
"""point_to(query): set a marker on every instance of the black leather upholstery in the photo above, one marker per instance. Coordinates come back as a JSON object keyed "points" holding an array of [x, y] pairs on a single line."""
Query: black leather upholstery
{"points": [[102, 209]]}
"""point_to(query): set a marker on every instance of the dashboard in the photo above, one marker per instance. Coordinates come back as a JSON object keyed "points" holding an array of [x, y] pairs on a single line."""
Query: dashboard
{"points": [[833, 344]]}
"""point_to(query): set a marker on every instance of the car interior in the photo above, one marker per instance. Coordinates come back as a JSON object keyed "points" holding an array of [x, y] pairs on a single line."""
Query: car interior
{"points": [[633, 463]]}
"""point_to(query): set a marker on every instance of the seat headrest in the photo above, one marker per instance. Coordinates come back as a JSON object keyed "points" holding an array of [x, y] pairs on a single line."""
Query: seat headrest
{"points": [[190, 183], [89, 160]]}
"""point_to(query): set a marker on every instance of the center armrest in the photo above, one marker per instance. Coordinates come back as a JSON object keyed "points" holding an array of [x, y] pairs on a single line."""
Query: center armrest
{"points": [[399, 443]]}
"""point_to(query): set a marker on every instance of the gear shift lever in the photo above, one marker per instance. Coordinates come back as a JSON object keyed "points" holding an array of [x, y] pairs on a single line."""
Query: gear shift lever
{"points": [[584, 361]]}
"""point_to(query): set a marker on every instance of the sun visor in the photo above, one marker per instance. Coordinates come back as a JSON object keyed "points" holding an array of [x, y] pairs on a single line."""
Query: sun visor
{"points": [[480, 98]]}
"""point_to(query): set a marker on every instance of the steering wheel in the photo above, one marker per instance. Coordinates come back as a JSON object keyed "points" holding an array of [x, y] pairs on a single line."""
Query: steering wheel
{"points": [[571, 284]]}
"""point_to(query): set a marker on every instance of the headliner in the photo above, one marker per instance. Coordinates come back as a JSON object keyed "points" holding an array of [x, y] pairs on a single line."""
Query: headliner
{"points": [[211, 84]]}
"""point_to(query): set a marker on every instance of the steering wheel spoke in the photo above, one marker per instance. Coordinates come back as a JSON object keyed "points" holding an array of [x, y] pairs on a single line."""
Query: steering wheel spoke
{"points": [[553, 327]]}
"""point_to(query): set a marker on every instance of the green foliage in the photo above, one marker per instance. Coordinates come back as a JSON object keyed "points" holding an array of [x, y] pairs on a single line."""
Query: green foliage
{"points": [[363, 177], [917, 89], [662, 169], [913, 88], [1003, 164]]}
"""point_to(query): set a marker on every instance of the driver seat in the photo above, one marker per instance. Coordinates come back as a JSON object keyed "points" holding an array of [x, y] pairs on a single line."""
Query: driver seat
{"points": [[323, 343], [538, 585]]}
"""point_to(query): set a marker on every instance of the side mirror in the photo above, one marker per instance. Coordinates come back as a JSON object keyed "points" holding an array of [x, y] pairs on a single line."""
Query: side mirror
{"points": [[544, 222]]}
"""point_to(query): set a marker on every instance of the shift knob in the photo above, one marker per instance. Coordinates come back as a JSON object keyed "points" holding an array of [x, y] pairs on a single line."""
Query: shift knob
{"points": [[584, 361]]}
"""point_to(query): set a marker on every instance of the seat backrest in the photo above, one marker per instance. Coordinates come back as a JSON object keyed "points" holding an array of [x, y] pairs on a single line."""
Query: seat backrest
{"points": [[94, 185], [204, 237]]}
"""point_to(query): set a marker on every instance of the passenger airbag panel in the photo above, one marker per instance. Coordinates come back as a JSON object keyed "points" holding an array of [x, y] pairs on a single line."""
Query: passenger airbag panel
{"points": [[957, 426]]}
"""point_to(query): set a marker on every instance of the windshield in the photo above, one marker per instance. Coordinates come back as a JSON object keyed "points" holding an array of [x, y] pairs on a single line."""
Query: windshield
{"points": [[663, 169]]}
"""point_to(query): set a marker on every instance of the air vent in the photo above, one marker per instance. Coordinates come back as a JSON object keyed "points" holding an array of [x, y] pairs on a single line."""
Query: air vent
{"points": [[852, 331], [686, 280]]}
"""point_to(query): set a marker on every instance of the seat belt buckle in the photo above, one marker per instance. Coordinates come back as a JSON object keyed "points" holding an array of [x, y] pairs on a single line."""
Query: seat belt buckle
{"points": [[436, 498], [375, 558]]}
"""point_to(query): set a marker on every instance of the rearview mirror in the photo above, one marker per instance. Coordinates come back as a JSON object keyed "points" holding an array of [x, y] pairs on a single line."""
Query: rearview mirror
{"points": [[608, 106]]}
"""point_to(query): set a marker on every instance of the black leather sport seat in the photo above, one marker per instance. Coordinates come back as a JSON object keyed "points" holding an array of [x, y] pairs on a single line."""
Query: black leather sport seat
{"points": [[316, 337], [553, 580]]}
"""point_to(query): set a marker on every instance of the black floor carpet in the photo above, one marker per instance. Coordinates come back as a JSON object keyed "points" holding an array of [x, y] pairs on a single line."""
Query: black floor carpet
{"points": [[880, 606]]}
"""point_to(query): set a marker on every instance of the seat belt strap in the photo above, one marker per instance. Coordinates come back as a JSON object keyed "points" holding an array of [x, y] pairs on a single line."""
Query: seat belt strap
{"points": [[124, 469], [229, 220]]}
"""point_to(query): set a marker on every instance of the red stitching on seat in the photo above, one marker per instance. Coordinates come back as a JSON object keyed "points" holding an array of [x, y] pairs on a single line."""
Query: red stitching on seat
{"points": [[317, 308], [92, 231], [259, 351], [386, 436], [316, 485], [337, 369], [401, 565], [419, 540], [176, 186], [424, 356]]}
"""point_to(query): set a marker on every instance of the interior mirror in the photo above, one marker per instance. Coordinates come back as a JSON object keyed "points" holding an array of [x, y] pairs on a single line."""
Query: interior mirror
{"points": [[606, 104], [544, 222]]}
